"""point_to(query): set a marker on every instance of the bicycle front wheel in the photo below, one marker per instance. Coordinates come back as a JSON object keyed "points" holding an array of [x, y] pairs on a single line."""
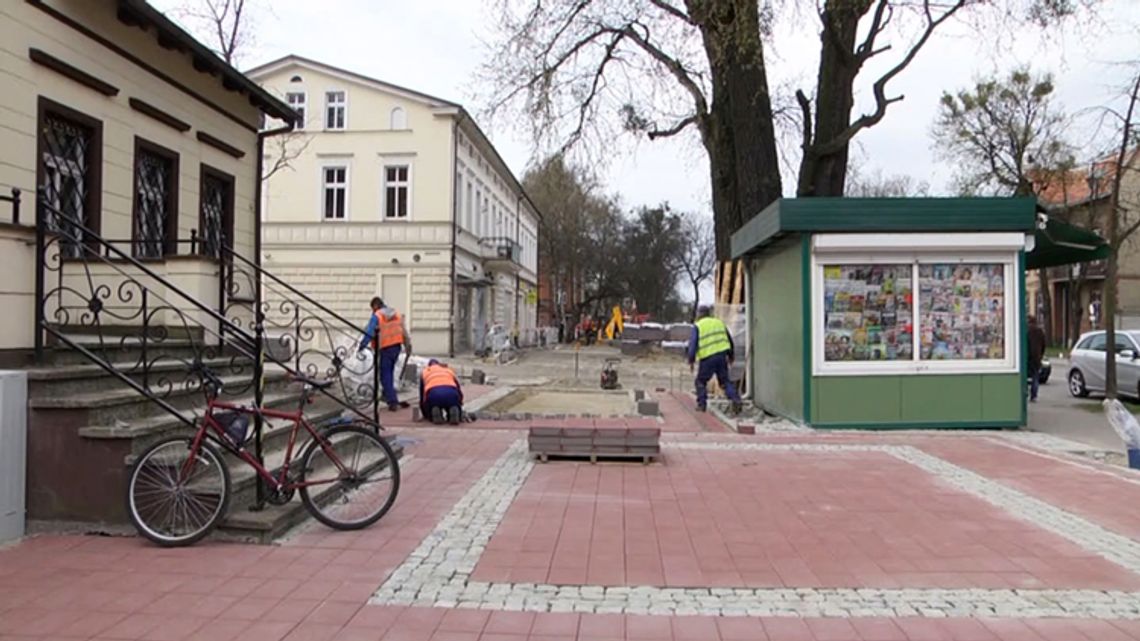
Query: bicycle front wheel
{"points": [[174, 499], [350, 477]]}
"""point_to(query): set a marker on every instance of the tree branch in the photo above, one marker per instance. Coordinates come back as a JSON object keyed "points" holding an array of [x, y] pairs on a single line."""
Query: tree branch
{"points": [[879, 22], [880, 86], [674, 67], [588, 101], [805, 109], [673, 11], [674, 130]]}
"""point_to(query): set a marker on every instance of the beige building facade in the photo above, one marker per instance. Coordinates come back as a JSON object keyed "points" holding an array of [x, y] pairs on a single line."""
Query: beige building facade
{"points": [[115, 117], [390, 192]]}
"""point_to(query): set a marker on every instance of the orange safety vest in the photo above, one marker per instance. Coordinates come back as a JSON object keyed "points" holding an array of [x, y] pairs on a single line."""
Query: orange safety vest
{"points": [[437, 376], [389, 331]]}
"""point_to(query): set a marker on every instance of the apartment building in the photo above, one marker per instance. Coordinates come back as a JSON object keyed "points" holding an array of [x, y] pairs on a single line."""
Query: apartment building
{"points": [[391, 192]]}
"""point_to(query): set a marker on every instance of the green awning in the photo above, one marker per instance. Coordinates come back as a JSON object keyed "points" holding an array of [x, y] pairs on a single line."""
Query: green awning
{"points": [[1060, 243]]}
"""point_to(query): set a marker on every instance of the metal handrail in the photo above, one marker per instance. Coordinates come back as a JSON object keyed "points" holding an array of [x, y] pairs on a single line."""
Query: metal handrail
{"points": [[15, 200]]}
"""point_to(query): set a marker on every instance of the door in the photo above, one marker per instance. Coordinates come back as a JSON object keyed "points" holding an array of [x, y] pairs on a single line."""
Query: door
{"points": [[394, 291], [480, 326], [1127, 367], [1091, 363], [463, 320]]}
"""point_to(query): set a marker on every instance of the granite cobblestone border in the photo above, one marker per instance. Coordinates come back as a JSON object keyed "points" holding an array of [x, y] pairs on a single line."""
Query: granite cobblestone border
{"points": [[438, 572]]}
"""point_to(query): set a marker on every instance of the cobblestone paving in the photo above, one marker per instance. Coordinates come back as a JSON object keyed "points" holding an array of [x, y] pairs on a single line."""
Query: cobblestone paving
{"points": [[438, 572]]}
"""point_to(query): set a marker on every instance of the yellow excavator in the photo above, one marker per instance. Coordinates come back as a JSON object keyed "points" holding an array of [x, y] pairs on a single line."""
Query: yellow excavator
{"points": [[616, 324]]}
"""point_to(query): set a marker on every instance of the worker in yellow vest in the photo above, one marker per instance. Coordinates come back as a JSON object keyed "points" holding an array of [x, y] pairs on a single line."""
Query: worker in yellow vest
{"points": [[711, 344], [387, 336], [440, 395]]}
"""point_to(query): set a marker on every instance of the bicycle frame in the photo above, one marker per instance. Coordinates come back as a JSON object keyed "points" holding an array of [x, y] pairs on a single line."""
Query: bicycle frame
{"points": [[220, 437]]}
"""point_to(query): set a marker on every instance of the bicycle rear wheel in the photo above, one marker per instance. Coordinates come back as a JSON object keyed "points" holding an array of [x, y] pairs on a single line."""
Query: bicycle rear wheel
{"points": [[350, 477], [173, 500]]}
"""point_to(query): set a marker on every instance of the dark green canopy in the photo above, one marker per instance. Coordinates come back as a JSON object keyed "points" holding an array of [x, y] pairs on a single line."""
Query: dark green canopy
{"points": [[1059, 243]]}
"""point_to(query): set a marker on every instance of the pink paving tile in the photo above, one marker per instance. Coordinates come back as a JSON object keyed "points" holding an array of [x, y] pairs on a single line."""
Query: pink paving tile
{"points": [[824, 519], [464, 621], [877, 630], [505, 622]]}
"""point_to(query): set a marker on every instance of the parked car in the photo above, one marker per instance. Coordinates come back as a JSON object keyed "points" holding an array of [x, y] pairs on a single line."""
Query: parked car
{"points": [[1086, 364]]}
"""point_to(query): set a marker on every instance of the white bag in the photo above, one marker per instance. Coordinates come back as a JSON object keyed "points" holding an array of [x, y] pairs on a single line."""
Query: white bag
{"points": [[1123, 422]]}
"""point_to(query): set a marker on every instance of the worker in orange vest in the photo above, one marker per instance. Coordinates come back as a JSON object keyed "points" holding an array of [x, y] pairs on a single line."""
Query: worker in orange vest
{"points": [[440, 394], [387, 335]]}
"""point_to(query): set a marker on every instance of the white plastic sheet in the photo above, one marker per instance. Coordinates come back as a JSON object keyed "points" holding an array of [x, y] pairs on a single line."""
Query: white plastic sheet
{"points": [[1123, 422]]}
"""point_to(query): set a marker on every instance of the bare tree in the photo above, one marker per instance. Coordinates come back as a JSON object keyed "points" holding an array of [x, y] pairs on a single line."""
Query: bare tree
{"points": [[1005, 135], [1123, 219], [697, 258], [568, 67], [876, 184], [228, 25]]}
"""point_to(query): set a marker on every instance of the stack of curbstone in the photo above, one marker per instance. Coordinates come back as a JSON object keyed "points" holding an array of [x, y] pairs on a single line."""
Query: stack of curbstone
{"points": [[639, 340], [593, 442]]}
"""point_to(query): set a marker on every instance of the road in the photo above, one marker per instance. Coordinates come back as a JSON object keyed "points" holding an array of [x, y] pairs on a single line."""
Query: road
{"points": [[1059, 414]]}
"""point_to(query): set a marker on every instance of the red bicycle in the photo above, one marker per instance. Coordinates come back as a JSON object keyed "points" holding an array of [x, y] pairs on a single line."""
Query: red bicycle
{"points": [[179, 489]]}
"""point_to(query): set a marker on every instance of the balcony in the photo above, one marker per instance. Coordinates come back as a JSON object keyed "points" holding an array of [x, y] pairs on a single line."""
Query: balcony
{"points": [[501, 252]]}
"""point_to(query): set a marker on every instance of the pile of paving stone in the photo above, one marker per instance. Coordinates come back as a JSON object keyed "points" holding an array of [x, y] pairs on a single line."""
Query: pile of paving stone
{"points": [[595, 442], [639, 340]]}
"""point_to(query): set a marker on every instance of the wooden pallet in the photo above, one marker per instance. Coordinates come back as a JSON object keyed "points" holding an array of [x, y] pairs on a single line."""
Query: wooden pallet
{"points": [[645, 457]]}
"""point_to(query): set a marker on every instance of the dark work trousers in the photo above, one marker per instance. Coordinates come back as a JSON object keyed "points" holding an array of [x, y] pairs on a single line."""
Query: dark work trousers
{"points": [[715, 365]]}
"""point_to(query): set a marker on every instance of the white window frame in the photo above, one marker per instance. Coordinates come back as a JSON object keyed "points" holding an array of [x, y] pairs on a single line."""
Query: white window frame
{"points": [[394, 163], [304, 113], [914, 250], [347, 193], [344, 110], [469, 215]]}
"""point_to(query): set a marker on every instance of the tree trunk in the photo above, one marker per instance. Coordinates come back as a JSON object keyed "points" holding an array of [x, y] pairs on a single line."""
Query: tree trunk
{"points": [[826, 174], [1046, 304], [696, 300], [738, 132]]}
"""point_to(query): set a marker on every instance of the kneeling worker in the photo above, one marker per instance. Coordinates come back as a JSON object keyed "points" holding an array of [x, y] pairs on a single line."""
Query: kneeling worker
{"points": [[440, 394], [711, 344]]}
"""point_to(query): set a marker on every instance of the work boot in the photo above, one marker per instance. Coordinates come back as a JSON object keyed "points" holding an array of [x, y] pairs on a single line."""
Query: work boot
{"points": [[701, 408], [454, 415], [437, 415], [393, 407]]}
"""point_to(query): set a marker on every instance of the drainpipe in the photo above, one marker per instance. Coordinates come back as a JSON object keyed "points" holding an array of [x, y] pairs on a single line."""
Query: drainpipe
{"points": [[259, 320], [518, 202], [454, 230]]}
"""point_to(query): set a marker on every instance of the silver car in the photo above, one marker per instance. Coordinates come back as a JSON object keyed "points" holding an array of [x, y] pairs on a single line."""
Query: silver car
{"points": [[1086, 364]]}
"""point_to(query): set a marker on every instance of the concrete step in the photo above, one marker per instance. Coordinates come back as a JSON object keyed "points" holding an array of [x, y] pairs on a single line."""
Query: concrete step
{"points": [[60, 381], [126, 404], [144, 432], [127, 349], [271, 522]]}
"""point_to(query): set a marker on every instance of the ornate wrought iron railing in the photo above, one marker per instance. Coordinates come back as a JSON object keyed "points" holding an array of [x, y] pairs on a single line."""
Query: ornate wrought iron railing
{"points": [[13, 198], [313, 338], [94, 297]]}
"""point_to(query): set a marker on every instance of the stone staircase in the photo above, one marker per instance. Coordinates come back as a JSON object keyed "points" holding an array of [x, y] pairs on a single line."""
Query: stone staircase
{"points": [[87, 426]]}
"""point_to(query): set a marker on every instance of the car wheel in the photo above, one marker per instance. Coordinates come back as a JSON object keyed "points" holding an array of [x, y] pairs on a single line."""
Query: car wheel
{"points": [[1077, 384]]}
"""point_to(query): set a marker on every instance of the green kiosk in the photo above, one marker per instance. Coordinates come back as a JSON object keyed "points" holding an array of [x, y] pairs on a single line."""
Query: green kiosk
{"points": [[896, 313]]}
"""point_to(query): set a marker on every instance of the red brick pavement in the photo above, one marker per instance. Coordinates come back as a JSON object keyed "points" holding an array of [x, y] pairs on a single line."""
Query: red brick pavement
{"points": [[317, 584], [775, 519]]}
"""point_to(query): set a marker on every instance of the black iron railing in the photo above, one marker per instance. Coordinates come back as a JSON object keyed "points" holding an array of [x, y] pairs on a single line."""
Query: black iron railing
{"points": [[13, 198], [313, 338], [96, 298]]}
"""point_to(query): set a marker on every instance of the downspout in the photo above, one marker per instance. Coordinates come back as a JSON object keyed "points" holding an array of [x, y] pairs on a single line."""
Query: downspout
{"points": [[454, 230], [518, 201]]}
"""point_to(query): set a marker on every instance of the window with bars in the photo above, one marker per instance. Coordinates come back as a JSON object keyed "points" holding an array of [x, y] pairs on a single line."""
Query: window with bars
{"points": [[336, 103], [216, 212], [155, 201], [69, 172], [297, 100], [396, 186], [335, 189]]}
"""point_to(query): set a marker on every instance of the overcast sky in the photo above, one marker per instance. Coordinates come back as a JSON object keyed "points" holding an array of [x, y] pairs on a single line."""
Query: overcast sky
{"points": [[435, 46]]}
